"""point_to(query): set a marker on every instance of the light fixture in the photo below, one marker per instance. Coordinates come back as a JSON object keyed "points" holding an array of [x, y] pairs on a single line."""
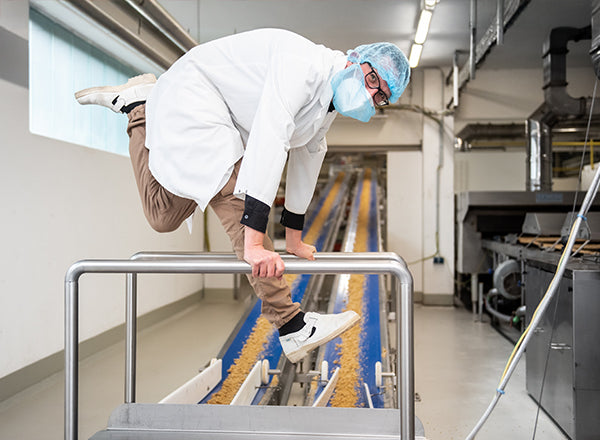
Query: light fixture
{"points": [[415, 55], [423, 26], [422, 30]]}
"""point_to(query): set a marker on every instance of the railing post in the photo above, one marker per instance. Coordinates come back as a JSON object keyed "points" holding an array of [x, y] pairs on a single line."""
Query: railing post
{"points": [[406, 396], [71, 358], [130, 337]]}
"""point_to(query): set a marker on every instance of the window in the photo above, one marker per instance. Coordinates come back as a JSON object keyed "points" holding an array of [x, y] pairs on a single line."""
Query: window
{"points": [[60, 64]]}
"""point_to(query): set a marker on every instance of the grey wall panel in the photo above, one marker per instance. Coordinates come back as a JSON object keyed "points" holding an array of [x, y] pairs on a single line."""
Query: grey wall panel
{"points": [[13, 58]]}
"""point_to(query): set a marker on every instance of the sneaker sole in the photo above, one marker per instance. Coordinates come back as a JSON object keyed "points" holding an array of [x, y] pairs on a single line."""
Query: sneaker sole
{"points": [[146, 78], [295, 356]]}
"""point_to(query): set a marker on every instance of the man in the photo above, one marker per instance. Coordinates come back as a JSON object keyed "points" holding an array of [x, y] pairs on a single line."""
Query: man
{"points": [[217, 129]]}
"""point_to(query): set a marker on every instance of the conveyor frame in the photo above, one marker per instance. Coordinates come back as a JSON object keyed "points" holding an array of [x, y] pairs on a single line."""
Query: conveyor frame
{"points": [[326, 263], [139, 421]]}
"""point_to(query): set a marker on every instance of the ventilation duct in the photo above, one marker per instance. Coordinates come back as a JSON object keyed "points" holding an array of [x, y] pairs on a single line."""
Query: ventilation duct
{"points": [[558, 105], [539, 156], [474, 132]]}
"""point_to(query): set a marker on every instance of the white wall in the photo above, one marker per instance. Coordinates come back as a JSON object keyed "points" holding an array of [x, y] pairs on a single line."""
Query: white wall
{"points": [[512, 95], [438, 193], [14, 17], [405, 210], [489, 171], [505, 96], [62, 203], [396, 127], [411, 182]]}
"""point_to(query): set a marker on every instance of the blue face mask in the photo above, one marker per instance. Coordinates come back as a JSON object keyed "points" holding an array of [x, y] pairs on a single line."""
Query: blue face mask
{"points": [[350, 97]]}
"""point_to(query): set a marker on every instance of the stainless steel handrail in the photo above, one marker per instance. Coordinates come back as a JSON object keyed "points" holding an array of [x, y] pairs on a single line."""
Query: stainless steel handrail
{"points": [[131, 296], [334, 263]]}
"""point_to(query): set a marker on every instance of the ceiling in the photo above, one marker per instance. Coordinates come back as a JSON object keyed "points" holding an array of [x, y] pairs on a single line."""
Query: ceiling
{"points": [[344, 24]]}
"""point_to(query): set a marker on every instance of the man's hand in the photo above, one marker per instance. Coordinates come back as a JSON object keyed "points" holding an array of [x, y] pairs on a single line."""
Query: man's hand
{"points": [[295, 245], [264, 263]]}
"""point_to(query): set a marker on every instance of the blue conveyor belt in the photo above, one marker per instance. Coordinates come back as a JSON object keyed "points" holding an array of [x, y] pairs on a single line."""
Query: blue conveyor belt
{"points": [[272, 349], [369, 346]]}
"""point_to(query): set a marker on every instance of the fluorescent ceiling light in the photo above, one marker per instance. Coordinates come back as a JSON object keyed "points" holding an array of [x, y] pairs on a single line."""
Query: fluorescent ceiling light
{"points": [[415, 55], [423, 27]]}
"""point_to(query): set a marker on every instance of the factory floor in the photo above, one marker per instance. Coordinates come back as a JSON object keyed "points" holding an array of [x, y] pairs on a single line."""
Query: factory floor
{"points": [[458, 363]]}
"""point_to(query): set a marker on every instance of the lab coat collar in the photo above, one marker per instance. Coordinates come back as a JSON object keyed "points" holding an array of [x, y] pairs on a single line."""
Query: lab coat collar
{"points": [[338, 64]]}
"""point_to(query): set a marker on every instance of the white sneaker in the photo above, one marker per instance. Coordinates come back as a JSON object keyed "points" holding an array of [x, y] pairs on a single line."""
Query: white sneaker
{"points": [[319, 329], [136, 89]]}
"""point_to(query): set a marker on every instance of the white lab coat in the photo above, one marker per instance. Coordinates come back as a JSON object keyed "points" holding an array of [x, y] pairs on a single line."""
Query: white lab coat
{"points": [[261, 95]]}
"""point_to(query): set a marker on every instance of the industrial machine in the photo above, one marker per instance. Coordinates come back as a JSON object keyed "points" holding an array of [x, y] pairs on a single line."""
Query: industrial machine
{"points": [[509, 247], [562, 356]]}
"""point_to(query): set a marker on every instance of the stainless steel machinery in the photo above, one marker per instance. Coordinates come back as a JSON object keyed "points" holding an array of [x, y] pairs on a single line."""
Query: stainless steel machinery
{"points": [[563, 353]]}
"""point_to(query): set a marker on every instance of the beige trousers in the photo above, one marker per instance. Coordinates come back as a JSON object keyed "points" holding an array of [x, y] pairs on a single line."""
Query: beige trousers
{"points": [[165, 212]]}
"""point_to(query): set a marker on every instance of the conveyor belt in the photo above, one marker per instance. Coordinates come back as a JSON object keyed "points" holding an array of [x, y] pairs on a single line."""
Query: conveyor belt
{"points": [[255, 338], [357, 351]]}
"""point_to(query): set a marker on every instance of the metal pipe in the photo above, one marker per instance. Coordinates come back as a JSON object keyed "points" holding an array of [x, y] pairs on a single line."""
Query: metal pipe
{"points": [[480, 302], [97, 14], [130, 337], [455, 72], [500, 22], [328, 264], [406, 389], [474, 132], [71, 358], [472, 37], [474, 282], [164, 22], [438, 170], [155, 24], [539, 156], [319, 256], [131, 295], [488, 306]]}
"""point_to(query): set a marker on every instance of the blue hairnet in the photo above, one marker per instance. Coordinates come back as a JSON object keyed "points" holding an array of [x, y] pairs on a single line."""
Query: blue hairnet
{"points": [[389, 61]]}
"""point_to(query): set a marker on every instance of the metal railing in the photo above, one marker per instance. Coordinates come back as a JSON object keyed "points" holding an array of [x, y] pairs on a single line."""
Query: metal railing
{"points": [[160, 262]]}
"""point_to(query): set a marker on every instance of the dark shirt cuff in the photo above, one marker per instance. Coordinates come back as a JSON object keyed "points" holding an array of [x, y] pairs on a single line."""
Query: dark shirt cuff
{"points": [[256, 214], [291, 220]]}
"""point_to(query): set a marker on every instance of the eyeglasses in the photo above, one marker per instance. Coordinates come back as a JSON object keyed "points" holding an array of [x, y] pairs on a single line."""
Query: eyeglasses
{"points": [[372, 82]]}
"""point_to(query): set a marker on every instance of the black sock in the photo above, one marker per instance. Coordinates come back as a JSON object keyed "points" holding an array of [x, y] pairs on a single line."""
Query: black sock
{"points": [[293, 325], [128, 108]]}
